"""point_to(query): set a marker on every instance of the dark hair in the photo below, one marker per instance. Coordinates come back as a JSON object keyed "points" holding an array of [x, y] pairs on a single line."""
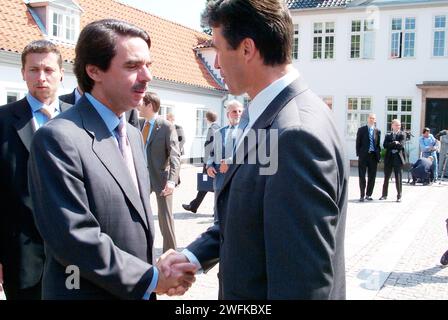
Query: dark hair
{"points": [[426, 130], [211, 116], [153, 99], [97, 46], [268, 23], [41, 46]]}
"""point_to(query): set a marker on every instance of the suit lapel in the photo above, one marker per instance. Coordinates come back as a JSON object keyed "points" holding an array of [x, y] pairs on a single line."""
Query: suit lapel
{"points": [[264, 121], [24, 124], [106, 149], [154, 132]]}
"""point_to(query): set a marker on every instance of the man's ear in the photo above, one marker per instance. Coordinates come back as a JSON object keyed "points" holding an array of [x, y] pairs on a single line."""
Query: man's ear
{"points": [[249, 49], [94, 72]]}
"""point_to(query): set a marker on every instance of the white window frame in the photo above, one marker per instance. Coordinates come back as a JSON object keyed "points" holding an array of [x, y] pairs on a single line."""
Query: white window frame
{"points": [[362, 34], [434, 30], [351, 133], [323, 35], [20, 94], [202, 121], [295, 42], [72, 27], [402, 42], [399, 113]]}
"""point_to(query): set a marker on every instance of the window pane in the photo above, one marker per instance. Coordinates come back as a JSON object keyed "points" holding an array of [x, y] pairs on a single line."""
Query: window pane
{"points": [[329, 27], [356, 26], [410, 24], [365, 104], [296, 29], [396, 24], [318, 28], [317, 48], [329, 47], [395, 45], [409, 44], [392, 105], [406, 105], [355, 48], [440, 22], [352, 104], [439, 43]]}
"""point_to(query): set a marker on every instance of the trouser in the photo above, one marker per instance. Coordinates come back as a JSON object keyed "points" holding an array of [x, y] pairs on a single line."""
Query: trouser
{"points": [[443, 156], [369, 164], [196, 202], [398, 182], [166, 221]]}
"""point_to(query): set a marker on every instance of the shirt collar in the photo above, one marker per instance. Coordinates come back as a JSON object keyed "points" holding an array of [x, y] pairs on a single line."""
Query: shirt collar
{"points": [[36, 105], [110, 119], [261, 101], [78, 95]]}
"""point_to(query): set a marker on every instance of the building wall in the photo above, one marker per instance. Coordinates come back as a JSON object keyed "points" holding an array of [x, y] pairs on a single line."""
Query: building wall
{"points": [[379, 78]]}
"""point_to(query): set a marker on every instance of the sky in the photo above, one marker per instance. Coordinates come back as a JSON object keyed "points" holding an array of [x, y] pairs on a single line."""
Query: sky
{"points": [[185, 12]]}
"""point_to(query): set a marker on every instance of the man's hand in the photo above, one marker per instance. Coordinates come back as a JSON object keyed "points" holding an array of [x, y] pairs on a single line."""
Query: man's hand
{"points": [[223, 167], [211, 172], [176, 273], [168, 190], [1, 277]]}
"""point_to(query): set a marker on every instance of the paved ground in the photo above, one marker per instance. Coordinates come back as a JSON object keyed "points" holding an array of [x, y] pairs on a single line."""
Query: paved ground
{"points": [[392, 249]]}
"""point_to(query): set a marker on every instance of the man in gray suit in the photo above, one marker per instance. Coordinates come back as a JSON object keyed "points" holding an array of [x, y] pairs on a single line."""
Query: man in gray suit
{"points": [[21, 248], [163, 157], [89, 183], [281, 211]]}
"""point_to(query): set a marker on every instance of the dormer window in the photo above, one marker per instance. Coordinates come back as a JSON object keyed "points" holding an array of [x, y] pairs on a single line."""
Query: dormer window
{"points": [[64, 26], [58, 19]]}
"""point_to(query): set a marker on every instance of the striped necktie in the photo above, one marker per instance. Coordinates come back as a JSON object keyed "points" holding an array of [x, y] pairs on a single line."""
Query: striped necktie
{"points": [[125, 149], [47, 112]]}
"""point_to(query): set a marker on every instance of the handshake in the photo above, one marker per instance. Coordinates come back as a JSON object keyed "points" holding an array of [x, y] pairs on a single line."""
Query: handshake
{"points": [[176, 274]]}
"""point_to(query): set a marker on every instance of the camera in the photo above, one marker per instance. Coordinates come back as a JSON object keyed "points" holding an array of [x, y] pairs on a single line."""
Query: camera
{"points": [[441, 133]]}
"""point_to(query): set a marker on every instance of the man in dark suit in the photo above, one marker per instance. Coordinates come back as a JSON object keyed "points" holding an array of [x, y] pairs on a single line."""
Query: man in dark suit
{"points": [[208, 145], [368, 151], [394, 159], [163, 157], [223, 144], [21, 248], [279, 232], [76, 94], [88, 179]]}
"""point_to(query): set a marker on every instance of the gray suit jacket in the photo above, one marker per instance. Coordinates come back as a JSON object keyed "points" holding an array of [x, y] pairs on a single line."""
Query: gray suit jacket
{"points": [[87, 209], [208, 144], [21, 247], [281, 236], [163, 155]]}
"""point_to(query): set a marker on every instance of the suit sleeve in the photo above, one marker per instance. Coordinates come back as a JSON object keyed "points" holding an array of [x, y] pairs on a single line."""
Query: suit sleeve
{"points": [[358, 142], [69, 229], [301, 219], [172, 145], [206, 247]]}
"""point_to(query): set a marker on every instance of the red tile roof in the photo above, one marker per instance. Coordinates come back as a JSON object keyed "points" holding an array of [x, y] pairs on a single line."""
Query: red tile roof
{"points": [[172, 44]]}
